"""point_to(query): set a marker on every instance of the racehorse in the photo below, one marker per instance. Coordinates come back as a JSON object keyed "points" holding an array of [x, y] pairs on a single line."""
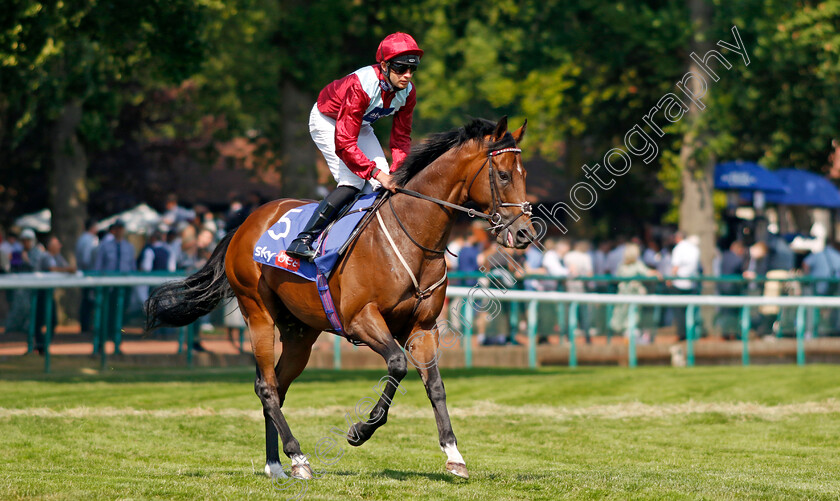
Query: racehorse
{"points": [[385, 287]]}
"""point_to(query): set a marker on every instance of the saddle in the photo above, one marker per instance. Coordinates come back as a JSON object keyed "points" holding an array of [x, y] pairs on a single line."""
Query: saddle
{"points": [[331, 244]]}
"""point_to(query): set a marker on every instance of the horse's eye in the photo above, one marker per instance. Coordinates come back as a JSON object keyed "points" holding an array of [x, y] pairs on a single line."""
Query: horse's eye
{"points": [[504, 176]]}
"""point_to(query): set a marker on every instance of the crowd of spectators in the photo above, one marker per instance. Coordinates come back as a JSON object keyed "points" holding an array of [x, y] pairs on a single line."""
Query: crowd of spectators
{"points": [[669, 264], [182, 240]]}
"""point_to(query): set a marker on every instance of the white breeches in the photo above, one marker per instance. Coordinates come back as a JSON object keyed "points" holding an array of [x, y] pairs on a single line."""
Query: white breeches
{"points": [[322, 130]]}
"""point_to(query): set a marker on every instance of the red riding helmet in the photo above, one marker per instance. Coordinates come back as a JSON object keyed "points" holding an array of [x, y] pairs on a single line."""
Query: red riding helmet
{"points": [[397, 44]]}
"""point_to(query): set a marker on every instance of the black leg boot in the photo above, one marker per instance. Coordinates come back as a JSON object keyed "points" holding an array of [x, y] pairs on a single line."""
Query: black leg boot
{"points": [[328, 209]]}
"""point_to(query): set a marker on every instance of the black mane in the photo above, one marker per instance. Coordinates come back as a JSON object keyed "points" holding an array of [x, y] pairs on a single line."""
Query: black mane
{"points": [[438, 144]]}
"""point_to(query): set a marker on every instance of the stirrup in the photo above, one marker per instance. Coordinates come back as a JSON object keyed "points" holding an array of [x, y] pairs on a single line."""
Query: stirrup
{"points": [[301, 249]]}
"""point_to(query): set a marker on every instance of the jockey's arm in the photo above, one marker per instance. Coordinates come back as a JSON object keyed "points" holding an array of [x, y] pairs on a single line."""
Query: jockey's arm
{"points": [[348, 123]]}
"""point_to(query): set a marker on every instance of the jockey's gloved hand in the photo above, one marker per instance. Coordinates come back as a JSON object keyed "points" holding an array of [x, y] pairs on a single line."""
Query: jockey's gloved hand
{"points": [[386, 180]]}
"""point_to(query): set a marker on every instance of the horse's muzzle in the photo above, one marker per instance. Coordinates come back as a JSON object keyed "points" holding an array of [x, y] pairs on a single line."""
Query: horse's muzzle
{"points": [[518, 235]]}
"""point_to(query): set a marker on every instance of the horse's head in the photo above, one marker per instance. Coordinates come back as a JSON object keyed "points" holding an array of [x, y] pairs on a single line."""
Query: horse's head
{"points": [[496, 182]]}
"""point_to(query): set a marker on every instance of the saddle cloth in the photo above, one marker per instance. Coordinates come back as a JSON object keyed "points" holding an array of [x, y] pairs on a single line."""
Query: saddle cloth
{"points": [[272, 245]]}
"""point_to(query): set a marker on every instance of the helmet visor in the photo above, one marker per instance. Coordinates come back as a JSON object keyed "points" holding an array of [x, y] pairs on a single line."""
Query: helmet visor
{"points": [[412, 59]]}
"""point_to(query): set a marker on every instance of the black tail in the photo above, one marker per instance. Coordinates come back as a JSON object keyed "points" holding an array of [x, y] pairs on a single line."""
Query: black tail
{"points": [[181, 302]]}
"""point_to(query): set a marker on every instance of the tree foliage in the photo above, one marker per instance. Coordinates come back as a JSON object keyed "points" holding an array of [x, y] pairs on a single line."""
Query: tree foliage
{"points": [[582, 71], [96, 55]]}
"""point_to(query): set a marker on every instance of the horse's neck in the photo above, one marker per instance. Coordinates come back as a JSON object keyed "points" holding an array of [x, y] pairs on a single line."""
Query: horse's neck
{"points": [[443, 179]]}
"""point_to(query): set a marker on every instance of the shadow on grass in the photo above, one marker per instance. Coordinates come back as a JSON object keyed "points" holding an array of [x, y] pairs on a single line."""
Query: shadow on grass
{"points": [[246, 374], [409, 475]]}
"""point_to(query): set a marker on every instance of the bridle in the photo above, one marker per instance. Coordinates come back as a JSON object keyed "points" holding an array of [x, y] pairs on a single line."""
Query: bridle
{"points": [[495, 218]]}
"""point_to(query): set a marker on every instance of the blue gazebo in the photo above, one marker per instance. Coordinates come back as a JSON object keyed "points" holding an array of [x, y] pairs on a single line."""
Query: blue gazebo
{"points": [[805, 188], [746, 176]]}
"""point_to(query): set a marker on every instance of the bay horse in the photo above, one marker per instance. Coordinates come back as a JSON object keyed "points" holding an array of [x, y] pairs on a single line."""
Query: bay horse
{"points": [[384, 287]]}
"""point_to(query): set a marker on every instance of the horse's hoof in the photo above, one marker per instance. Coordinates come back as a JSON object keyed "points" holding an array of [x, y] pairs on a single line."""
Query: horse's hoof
{"points": [[302, 471], [275, 470], [457, 469], [355, 436]]}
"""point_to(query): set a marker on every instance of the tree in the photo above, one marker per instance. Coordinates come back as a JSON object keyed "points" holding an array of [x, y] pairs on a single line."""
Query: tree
{"points": [[68, 67], [697, 162]]}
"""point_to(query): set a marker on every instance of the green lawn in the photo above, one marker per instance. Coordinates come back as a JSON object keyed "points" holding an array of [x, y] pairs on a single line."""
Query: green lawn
{"points": [[770, 432]]}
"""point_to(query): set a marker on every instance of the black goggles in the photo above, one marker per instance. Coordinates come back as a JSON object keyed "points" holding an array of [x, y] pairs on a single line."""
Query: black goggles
{"points": [[400, 68]]}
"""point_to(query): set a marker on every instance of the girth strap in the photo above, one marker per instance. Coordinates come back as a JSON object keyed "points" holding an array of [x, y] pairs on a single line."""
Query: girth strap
{"points": [[421, 294]]}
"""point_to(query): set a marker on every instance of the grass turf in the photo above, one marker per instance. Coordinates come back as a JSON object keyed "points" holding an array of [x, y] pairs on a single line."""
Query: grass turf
{"points": [[754, 432]]}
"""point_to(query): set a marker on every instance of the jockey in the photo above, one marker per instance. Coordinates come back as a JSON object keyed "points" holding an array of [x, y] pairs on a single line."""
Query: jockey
{"points": [[340, 125]]}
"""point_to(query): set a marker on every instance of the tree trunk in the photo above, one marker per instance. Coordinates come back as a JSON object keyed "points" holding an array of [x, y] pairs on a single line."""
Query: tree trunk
{"points": [[696, 206], [68, 195], [68, 188], [299, 171]]}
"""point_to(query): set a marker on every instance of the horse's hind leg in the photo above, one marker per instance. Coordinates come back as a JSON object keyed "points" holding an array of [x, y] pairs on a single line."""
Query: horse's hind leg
{"points": [[297, 341], [273, 468], [261, 327], [297, 345]]}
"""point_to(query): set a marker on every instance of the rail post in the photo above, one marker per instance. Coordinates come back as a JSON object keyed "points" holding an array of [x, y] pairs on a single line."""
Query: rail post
{"points": [[182, 337], [573, 323], [105, 322], [336, 352], [33, 321], [745, 335], [689, 335], [118, 320], [468, 334], [98, 342], [514, 319], [48, 313], [632, 322], [532, 334], [191, 331], [800, 335]]}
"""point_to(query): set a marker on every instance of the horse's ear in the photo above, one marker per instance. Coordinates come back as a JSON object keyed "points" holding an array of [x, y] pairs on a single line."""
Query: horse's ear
{"points": [[501, 128], [519, 133]]}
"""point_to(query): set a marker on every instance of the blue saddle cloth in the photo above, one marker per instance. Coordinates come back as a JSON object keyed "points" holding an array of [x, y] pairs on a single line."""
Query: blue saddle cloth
{"points": [[272, 245]]}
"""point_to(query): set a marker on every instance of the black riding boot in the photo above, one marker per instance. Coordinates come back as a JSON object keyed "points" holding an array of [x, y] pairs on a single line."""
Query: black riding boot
{"points": [[328, 209]]}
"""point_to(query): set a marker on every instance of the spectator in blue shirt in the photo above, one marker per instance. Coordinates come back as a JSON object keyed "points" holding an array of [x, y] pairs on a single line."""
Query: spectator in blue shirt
{"points": [[533, 266], [174, 213], [86, 247], [85, 261], [115, 253], [468, 257], [825, 264], [53, 261], [780, 256]]}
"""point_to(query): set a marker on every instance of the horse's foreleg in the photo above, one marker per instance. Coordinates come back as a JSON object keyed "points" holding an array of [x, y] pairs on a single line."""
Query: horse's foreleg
{"points": [[369, 326], [422, 347]]}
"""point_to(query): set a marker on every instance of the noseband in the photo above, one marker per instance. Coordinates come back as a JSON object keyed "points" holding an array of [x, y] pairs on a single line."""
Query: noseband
{"points": [[497, 224]]}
